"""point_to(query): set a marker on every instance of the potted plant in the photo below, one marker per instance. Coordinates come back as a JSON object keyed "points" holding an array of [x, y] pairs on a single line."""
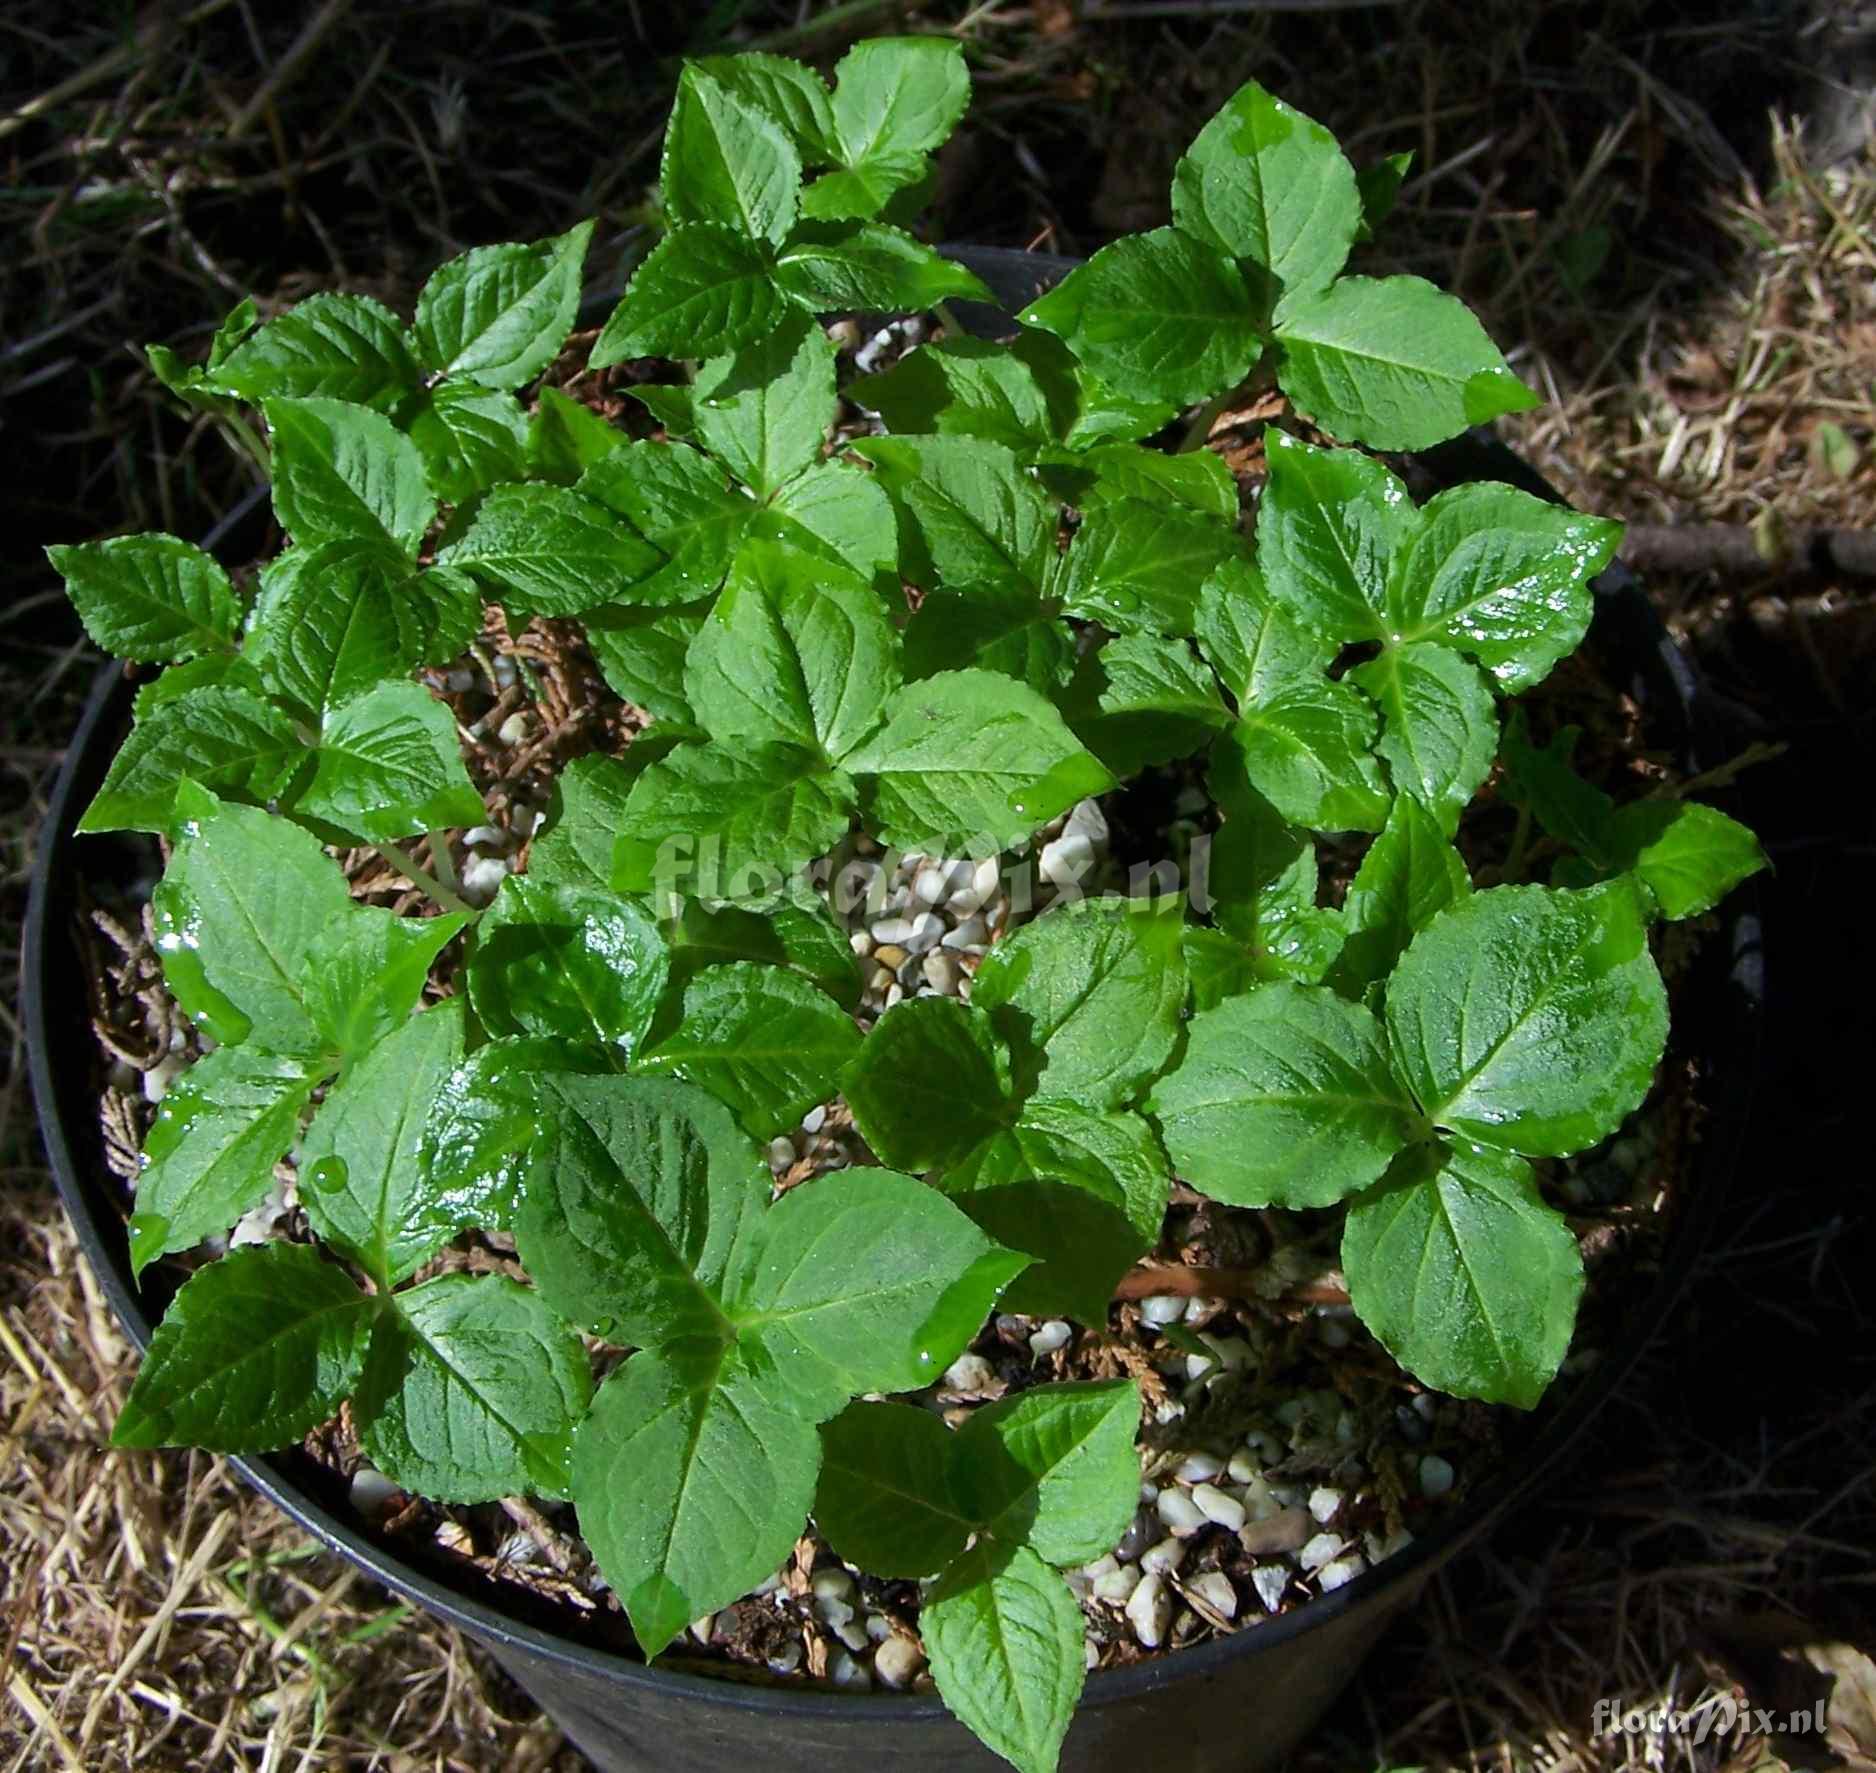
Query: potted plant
{"points": [[951, 638]]}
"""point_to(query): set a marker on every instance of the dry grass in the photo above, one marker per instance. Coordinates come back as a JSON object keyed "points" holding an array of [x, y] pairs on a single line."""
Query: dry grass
{"points": [[1608, 181]]}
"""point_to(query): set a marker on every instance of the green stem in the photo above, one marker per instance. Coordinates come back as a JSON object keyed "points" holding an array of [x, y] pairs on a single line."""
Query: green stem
{"points": [[422, 880], [442, 861], [1203, 420], [1513, 869]]}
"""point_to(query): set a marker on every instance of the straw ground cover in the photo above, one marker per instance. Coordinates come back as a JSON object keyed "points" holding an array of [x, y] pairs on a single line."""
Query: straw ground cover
{"points": [[1604, 182]]}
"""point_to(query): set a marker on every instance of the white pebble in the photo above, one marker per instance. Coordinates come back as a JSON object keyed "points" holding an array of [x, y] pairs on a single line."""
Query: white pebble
{"points": [[1066, 860], [1197, 1468], [786, 1660], [459, 680], [781, 1153], [1320, 1551], [1053, 1335], [922, 932], [854, 1635], [894, 994], [814, 1120], [1436, 1475], [515, 729], [1164, 1558], [481, 877], [932, 885], [1333, 1575], [1087, 820], [970, 1373], [1323, 1503], [1426, 1405], [1149, 1611], [844, 1671], [898, 1660], [831, 1610], [1227, 1511], [1161, 1309], [700, 1629], [861, 942], [1117, 1586], [940, 970], [1200, 1308], [1099, 1568], [491, 837], [973, 932], [1265, 1445], [161, 1075], [1243, 1469], [892, 931], [1216, 1590], [1270, 1581], [831, 1584], [1180, 1512], [371, 1490]]}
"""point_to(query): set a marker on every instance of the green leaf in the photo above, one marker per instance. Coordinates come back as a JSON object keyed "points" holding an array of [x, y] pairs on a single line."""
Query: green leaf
{"points": [[1136, 567], [1004, 1636], [574, 849], [365, 972], [470, 438], [765, 412], [565, 438], [254, 1353], [1393, 363], [761, 1039], [549, 551], [795, 652], [802, 933], [1268, 186], [1156, 316], [1308, 751], [336, 620], [1012, 633], [703, 291], [498, 315], [725, 161], [1688, 856], [180, 681], [1439, 729], [389, 766], [150, 598], [1329, 523], [870, 1276], [224, 737], [345, 471], [241, 907], [1141, 699], [965, 387], [1088, 997], [1379, 186], [1252, 638], [636, 1198], [1065, 1477], [1195, 480], [791, 96], [1528, 1018], [483, 1123], [871, 268], [722, 824], [1260, 873], [1285, 1097], [692, 1483], [1540, 780], [1464, 1274], [641, 652], [472, 1392], [210, 1153], [886, 1501], [360, 1183], [864, 192], [929, 1084], [568, 963], [969, 758], [1410, 874], [1501, 575], [969, 515], [333, 347], [841, 513], [898, 95], [678, 500], [1082, 1193]]}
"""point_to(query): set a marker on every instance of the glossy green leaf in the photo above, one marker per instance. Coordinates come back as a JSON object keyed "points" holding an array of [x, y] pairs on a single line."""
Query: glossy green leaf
{"points": [[1529, 1018], [1285, 1097], [898, 95], [565, 438], [574, 847], [1541, 780], [256, 1351], [801, 932], [1502, 575], [360, 1182], [1012, 632], [1194, 480], [568, 963], [1309, 750], [470, 438], [640, 653], [1393, 363], [365, 972], [1156, 316], [333, 347], [929, 1084], [865, 192], [1688, 856], [344, 471], [151, 597], [498, 315], [871, 268], [1269, 186], [764, 412], [1136, 567], [472, 1392], [793, 97], [388, 766], [1464, 1274], [726, 161], [838, 511], [973, 759], [549, 551], [704, 290], [1439, 725], [761, 1039], [886, 1499], [678, 500], [1410, 874], [1379, 186], [210, 1153], [1252, 638], [1142, 699], [966, 387]]}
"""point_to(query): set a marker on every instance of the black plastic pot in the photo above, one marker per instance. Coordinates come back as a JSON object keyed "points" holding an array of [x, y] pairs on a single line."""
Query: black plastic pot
{"points": [[1233, 1705]]}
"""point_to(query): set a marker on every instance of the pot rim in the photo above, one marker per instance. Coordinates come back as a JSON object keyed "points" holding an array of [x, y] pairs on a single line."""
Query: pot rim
{"points": [[1732, 1029]]}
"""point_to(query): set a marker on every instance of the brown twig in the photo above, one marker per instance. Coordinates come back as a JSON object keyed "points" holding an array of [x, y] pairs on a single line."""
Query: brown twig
{"points": [[1148, 1279], [1740, 548]]}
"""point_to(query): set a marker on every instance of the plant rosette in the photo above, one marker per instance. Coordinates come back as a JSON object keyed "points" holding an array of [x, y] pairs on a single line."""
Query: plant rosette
{"points": [[676, 1163]]}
